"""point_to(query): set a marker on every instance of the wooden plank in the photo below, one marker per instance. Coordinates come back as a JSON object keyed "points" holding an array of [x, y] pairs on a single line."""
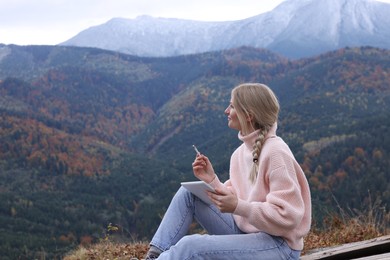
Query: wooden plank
{"points": [[375, 257], [365, 248]]}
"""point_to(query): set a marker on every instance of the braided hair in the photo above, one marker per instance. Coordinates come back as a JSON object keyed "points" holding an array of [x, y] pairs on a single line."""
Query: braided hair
{"points": [[257, 109]]}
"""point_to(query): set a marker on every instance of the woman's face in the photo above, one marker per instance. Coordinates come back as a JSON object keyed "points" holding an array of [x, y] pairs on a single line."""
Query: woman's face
{"points": [[231, 113]]}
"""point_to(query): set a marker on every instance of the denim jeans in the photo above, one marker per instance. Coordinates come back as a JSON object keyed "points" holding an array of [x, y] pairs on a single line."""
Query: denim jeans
{"points": [[223, 241]]}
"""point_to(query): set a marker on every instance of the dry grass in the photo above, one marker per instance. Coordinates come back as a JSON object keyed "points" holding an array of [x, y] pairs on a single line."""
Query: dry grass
{"points": [[339, 229], [348, 228], [339, 233], [109, 250]]}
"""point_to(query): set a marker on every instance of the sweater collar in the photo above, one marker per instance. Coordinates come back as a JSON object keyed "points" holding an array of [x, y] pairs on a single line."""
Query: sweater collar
{"points": [[250, 139]]}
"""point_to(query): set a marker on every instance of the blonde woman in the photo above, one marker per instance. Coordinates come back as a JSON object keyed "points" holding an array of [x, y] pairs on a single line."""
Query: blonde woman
{"points": [[262, 212]]}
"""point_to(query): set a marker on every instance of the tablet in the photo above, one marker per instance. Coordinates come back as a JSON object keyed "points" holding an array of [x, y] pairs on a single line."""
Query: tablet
{"points": [[199, 188]]}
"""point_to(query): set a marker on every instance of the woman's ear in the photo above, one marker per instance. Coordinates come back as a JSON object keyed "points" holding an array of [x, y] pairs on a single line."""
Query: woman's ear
{"points": [[249, 117]]}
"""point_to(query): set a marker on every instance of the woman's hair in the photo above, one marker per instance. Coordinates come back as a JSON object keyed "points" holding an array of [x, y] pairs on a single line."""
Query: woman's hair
{"points": [[259, 103]]}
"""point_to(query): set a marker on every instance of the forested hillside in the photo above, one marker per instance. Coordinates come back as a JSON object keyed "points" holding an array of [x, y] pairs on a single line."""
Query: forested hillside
{"points": [[90, 137]]}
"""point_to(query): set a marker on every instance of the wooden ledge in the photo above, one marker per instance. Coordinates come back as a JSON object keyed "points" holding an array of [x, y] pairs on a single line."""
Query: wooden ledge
{"points": [[368, 250]]}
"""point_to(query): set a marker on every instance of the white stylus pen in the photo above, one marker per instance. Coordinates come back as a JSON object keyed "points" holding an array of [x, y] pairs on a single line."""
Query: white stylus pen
{"points": [[196, 150]]}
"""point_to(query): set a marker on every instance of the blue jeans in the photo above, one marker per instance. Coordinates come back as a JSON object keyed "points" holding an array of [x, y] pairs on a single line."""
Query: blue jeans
{"points": [[223, 241]]}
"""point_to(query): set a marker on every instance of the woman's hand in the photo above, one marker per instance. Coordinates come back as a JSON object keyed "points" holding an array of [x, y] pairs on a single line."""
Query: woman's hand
{"points": [[203, 169], [225, 200]]}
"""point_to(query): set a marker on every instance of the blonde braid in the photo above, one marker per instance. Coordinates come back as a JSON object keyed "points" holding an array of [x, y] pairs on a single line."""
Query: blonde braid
{"points": [[257, 108], [257, 146]]}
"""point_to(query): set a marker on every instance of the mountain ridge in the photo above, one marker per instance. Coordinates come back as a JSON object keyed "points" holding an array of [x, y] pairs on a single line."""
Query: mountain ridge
{"points": [[295, 29]]}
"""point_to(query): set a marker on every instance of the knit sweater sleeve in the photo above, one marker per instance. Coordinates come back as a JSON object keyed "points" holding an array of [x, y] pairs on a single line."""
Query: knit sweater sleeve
{"points": [[216, 183], [282, 208]]}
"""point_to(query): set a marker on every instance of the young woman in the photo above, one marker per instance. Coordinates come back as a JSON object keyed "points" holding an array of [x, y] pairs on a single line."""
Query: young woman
{"points": [[262, 212]]}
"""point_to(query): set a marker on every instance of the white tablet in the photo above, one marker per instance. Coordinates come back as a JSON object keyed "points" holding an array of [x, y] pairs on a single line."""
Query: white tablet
{"points": [[199, 189]]}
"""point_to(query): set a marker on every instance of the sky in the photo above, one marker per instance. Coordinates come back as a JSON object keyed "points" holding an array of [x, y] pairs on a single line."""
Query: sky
{"points": [[50, 22]]}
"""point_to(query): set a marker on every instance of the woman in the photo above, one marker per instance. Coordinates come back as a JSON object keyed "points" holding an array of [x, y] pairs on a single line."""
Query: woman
{"points": [[262, 212]]}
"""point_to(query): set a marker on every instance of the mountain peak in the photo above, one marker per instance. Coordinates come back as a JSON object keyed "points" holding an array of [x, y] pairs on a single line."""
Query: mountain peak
{"points": [[295, 28]]}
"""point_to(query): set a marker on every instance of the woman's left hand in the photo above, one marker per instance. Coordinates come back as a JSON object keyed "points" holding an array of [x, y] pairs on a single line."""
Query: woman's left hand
{"points": [[225, 200]]}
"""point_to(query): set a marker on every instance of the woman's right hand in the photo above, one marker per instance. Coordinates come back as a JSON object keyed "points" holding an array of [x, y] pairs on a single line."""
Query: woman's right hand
{"points": [[203, 169]]}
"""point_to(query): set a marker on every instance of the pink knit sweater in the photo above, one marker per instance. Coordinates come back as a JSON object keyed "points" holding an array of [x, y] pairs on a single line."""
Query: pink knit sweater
{"points": [[279, 202]]}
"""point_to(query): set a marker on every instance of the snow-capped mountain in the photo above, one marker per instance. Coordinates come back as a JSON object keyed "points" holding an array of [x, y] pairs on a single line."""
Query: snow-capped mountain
{"points": [[295, 28]]}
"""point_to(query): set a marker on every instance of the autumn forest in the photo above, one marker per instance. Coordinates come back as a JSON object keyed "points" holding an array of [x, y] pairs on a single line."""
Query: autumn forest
{"points": [[91, 138]]}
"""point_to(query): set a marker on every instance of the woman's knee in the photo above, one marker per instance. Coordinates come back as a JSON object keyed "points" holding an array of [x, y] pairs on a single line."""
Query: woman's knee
{"points": [[183, 195]]}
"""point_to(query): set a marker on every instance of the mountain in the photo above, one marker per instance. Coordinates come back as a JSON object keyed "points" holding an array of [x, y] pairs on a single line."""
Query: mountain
{"points": [[295, 29], [90, 137]]}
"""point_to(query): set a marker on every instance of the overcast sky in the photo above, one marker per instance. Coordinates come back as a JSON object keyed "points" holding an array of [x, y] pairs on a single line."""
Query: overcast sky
{"points": [[51, 22]]}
